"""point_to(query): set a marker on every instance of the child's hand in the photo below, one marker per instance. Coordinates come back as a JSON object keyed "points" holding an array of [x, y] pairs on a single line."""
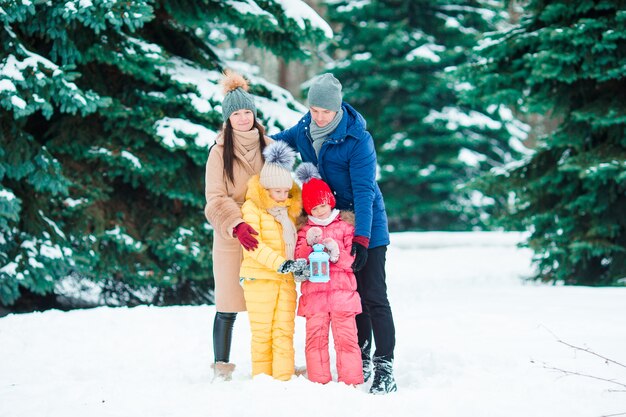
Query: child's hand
{"points": [[313, 235], [302, 276], [296, 266], [333, 248]]}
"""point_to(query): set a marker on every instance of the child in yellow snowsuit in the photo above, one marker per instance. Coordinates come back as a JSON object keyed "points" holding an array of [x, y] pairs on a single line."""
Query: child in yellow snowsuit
{"points": [[273, 201]]}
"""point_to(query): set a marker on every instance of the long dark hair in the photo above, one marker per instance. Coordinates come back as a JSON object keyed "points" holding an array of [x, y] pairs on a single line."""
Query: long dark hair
{"points": [[229, 147]]}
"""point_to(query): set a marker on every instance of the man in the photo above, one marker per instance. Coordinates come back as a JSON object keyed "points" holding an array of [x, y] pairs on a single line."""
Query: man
{"points": [[333, 136]]}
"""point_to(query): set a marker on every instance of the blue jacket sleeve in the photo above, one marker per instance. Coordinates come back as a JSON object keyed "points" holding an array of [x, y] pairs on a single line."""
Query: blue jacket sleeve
{"points": [[363, 179]]}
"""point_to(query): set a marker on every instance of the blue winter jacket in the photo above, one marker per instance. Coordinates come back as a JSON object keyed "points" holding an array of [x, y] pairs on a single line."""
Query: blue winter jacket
{"points": [[347, 162]]}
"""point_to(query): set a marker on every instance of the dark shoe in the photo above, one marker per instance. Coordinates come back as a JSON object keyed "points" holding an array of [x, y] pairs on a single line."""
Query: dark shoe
{"points": [[384, 382], [367, 370]]}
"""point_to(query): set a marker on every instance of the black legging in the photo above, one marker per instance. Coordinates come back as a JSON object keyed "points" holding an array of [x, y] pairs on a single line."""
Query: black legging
{"points": [[223, 335]]}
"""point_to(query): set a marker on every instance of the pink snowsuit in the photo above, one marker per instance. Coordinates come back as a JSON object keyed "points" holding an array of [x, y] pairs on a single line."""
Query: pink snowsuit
{"points": [[332, 304]]}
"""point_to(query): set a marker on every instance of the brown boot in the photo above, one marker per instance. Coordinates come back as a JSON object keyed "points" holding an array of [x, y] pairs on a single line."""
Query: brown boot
{"points": [[223, 371], [300, 370]]}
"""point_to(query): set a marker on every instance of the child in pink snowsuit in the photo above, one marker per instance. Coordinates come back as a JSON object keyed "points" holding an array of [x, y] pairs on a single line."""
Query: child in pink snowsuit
{"points": [[333, 304]]}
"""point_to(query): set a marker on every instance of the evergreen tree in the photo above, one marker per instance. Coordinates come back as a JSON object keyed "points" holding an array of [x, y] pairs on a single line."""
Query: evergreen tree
{"points": [[108, 111], [567, 59], [398, 71]]}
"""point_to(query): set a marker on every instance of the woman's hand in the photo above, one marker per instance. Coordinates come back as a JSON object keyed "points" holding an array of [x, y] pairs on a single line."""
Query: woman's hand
{"points": [[243, 232]]}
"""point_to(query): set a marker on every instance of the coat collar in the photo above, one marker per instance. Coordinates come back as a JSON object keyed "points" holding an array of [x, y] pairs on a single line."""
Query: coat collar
{"points": [[345, 215], [352, 124]]}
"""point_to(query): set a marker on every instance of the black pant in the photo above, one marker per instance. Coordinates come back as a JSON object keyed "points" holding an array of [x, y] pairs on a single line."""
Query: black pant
{"points": [[376, 317], [223, 335]]}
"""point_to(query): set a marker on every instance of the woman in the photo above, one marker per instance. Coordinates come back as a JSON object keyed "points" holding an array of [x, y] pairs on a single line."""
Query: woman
{"points": [[236, 156]]}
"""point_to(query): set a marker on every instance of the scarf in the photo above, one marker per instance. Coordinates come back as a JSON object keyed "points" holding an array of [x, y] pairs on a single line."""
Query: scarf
{"points": [[320, 134], [289, 229], [325, 222], [247, 149]]}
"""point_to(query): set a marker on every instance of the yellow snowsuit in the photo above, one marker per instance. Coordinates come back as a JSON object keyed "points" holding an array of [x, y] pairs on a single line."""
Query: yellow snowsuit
{"points": [[270, 296]]}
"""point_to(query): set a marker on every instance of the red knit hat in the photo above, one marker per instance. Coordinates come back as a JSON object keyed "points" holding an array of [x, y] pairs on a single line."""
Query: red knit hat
{"points": [[314, 190]]}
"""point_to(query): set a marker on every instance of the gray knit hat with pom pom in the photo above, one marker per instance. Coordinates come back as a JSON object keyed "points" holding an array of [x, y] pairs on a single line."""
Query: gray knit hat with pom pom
{"points": [[236, 96], [279, 160], [325, 92]]}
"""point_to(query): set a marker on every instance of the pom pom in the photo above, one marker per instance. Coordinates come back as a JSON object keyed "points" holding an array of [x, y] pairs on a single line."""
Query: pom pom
{"points": [[306, 171], [231, 81], [281, 154]]}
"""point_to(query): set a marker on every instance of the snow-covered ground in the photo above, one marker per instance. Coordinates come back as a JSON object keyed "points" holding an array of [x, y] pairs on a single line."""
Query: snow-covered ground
{"points": [[472, 340]]}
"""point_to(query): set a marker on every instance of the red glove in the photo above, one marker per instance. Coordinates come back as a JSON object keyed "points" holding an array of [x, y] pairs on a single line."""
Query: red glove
{"points": [[243, 232]]}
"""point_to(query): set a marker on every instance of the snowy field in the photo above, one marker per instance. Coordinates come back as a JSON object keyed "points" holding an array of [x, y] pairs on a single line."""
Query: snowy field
{"points": [[473, 339]]}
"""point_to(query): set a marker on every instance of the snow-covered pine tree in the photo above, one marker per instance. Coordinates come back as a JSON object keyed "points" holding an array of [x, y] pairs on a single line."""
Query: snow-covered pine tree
{"points": [[108, 110], [396, 61], [567, 59]]}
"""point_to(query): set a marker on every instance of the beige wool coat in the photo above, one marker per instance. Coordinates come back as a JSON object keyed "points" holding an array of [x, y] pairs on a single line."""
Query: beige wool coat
{"points": [[223, 211]]}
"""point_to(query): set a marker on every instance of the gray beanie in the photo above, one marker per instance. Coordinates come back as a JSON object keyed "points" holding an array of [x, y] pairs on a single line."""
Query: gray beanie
{"points": [[325, 92], [236, 96]]}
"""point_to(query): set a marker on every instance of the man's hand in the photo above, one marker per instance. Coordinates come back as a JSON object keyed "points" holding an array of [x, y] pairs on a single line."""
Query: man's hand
{"points": [[359, 251]]}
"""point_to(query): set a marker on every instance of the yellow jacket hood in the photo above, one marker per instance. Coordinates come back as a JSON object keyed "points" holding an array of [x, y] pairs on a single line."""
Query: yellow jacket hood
{"points": [[261, 197]]}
